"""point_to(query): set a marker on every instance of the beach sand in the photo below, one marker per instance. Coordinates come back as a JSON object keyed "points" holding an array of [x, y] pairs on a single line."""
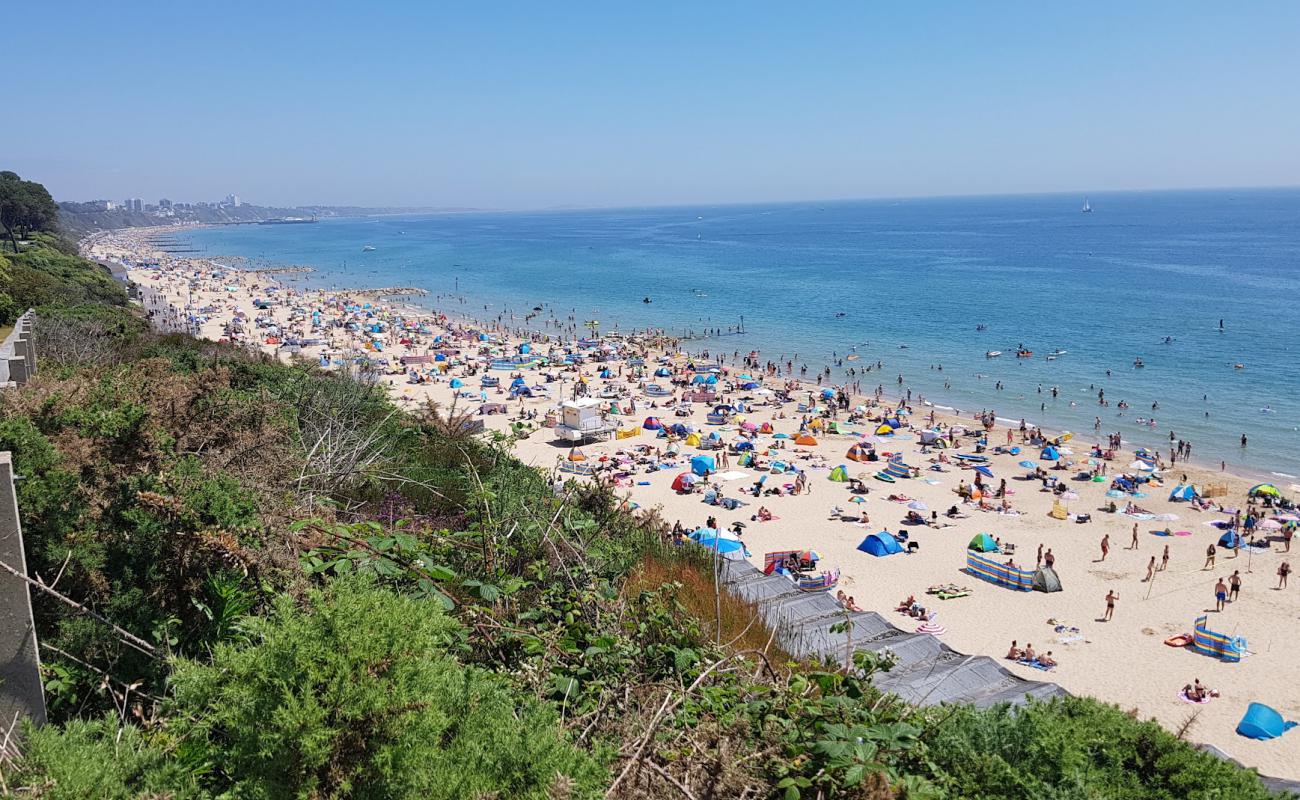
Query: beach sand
{"points": [[1123, 661]]}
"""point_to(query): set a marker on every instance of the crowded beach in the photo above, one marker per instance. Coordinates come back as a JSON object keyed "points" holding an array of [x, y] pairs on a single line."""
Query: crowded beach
{"points": [[1135, 576]]}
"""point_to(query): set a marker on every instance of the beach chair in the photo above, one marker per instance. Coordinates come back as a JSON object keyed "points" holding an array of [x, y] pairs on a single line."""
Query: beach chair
{"points": [[1059, 511]]}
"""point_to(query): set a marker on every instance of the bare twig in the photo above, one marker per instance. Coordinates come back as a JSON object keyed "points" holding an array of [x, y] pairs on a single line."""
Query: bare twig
{"points": [[126, 636]]}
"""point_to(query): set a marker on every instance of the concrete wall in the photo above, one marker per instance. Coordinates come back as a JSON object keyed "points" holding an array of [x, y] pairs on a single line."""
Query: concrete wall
{"points": [[17, 353], [21, 690]]}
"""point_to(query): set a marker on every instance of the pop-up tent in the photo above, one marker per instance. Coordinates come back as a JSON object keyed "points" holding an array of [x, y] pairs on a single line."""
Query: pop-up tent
{"points": [[693, 440], [880, 544], [982, 543], [652, 424], [858, 453], [805, 440], [1231, 540], [1050, 454], [1045, 580], [1262, 722], [701, 465], [684, 482], [456, 383], [840, 474], [1182, 493], [885, 430]]}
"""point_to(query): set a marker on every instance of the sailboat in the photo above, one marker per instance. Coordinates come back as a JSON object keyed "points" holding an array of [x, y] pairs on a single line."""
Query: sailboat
{"points": [[1087, 209]]}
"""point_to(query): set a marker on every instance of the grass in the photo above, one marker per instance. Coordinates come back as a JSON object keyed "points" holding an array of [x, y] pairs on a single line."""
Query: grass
{"points": [[742, 628]]}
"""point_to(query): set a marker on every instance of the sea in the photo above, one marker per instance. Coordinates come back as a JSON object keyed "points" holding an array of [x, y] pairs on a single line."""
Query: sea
{"points": [[1201, 286]]}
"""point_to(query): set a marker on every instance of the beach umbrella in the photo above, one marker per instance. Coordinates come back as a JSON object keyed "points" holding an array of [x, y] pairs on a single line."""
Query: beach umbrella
{"points": [[781, 436], [1262, 489], [932, 628], [917, 505], [1070, 496], [1029, 464], [1269, 525], [720, 544], [1287, 518], [748, 426], [985, 471], [857, 498]]}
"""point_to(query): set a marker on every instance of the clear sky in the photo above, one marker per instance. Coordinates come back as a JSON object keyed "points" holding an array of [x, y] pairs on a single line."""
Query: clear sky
{"points": [[532, 104]]}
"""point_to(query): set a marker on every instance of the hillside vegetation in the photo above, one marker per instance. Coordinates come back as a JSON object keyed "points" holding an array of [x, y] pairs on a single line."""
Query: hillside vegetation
{"points": [[315, 595]]}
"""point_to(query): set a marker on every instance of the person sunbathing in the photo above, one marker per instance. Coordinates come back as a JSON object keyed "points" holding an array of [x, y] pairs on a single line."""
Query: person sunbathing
{"points": [[1014, 653], [1046, 659], [1028, 653], [763, 514], [907, 604]]}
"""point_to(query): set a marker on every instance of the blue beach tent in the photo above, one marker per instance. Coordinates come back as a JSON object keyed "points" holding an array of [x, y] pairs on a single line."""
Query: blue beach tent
{"points": [[880, 544], [1231, 539], [1050, 454], [702, 464], [1263, 722]]}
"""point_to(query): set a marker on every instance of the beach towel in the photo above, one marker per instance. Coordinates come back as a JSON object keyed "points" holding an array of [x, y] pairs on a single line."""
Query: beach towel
{"points": [[1033, 664], [1183, 696]]}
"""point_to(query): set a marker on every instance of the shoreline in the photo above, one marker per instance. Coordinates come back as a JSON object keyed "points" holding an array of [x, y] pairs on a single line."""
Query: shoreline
{"points": [[1123, 662]]}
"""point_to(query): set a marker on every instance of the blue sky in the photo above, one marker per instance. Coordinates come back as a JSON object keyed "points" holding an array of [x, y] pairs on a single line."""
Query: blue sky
{"points": [[528, 104]]}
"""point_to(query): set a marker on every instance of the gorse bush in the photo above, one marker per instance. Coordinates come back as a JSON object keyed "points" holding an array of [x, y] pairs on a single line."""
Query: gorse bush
{"points": [[357, 693]]}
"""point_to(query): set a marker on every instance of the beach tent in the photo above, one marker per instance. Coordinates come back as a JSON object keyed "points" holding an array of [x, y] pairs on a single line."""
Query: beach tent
{"points": [[806, 440], [1215, 644], [766, 427], [1262, 489], [652, 424], [1045, 580], [1263, 722], [684, 482], [982, 543], [1231, 540], [577, 455], [456, 383], [1050, 454], [693, 440], [698, 379], [858, 453], [880, 544], [743, 446], [679, 429], [1183, 492], [840, 474], [885, 429], [702, 464], [663, 372]]}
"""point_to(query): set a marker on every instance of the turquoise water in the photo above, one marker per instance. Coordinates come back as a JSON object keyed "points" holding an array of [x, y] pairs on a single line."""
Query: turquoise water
{"points": [[906, 283]]}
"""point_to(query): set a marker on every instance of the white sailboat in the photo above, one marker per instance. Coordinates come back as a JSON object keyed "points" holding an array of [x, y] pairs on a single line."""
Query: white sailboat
{"points": [[1087, 209]]}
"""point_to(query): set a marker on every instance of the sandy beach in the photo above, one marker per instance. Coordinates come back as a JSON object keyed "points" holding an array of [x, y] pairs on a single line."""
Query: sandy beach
{"points": [[1125, 660]]}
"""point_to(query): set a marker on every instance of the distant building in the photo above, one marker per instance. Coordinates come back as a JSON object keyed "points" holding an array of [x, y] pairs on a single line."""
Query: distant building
{"points": [[164, 203], [232, 200], [108, 205], [134, 204]]}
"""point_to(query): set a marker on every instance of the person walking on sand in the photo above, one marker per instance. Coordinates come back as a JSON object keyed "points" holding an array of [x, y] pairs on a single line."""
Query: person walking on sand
{"points": [[1220, 595], [1151, 570], [1133, 545], [1209, 558], [1234, 585], [1283, 570], [1111, 597], [1105, 546], [1164, 559], [1039, 561]]}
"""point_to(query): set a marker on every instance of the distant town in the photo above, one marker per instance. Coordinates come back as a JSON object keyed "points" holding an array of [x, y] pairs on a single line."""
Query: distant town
{"points": [[133, 212]]}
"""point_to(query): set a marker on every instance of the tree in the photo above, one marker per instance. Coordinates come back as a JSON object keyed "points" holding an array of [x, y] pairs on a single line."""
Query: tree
{"points": [[25, 206]]}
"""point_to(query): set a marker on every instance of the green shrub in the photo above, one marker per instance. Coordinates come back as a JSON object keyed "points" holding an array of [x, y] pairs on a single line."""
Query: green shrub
{"points": [[356, 695], [96, 759]]}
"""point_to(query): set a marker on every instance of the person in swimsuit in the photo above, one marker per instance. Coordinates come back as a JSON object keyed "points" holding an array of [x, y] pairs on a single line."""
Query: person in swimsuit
{"points": [[1282, 572], [1220, 595], [1111, 597]]}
